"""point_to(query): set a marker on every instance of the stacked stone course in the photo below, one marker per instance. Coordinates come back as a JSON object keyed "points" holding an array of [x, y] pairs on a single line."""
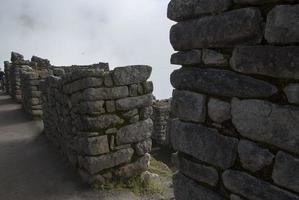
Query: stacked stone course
{"points": [[161, 111], [100, 119], [236, 99], [6, 71]]}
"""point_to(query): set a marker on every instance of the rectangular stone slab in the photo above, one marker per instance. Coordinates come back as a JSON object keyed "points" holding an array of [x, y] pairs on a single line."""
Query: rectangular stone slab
{"points": [[203, 143], [243, 26]]}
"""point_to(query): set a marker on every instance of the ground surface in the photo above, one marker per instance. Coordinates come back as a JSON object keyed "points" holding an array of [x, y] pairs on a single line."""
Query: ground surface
{"points": [[31, 168]]}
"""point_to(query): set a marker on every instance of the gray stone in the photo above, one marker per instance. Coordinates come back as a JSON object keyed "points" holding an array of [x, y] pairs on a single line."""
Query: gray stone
{"points": [[81, 84], [282, 25], [267, 122], [130, 113], [93, 94], [96, 164], [131, 74], [286, 171], [179, 10], [198, 172], [92, 107], [220, 83], [94, 145], [252, 2], [187, 189], [273, 61], [292, 92], [133, 90], [134, 168], [148, 87], [146, 112], [143, 147], [219, 111], [99, 122], [134, 102], [253, 188], [253, 157], [237, 27], [134, 132], [211, 57], [189, 106], [191, 57], [108, 81], [110, 106], [203, 143], [235, 197]]}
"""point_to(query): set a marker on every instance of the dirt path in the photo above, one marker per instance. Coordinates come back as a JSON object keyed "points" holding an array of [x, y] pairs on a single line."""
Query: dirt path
{"points": [[30, 168]]}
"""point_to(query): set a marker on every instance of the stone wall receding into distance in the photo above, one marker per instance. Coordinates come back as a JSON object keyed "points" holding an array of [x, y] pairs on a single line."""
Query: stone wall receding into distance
{"points": [[99, 119], [236, 99]]}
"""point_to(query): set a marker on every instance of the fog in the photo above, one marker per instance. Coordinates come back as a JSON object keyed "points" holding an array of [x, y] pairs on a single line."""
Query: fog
{"points": [[121, 32]]}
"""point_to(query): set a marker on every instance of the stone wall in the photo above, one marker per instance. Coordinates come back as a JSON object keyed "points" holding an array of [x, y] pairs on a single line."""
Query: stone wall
{"points": [[236, 99], [6, 71], [100, 120], [161, 110]]}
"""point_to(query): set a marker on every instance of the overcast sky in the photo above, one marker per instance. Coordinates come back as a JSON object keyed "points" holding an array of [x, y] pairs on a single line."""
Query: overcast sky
{"points": [[121, 32]]}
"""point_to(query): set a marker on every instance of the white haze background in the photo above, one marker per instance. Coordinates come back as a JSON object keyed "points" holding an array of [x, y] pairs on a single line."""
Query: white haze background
{"points": [[121, 32]]}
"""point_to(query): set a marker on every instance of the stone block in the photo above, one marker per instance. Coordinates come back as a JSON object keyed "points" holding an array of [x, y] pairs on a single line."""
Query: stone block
{"points": [[134, 102], [143, 147], [94, 94], [292, 92], [214, 58], [219, 111], [100, 122], [94, 145], [131, 74], [192, 57]]}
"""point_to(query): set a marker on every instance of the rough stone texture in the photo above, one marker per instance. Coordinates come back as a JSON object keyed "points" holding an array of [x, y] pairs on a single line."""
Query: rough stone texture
{"points": [[188, 106], [192, 57], [283, 25], [179, 10], [253, 157], [252, 2], [220, 82], [253, 188], [211, 57], [277, 62], [160, 117], [135, 132], [243, 26], [219, 111], [185, 188], [235, 197], [198, 172], [292, 92], [286, 171], [203, 143], [81, 119], [131, 74], [267, 122]]}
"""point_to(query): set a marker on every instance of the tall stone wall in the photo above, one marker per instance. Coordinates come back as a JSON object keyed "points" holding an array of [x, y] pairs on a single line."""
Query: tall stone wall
{"points": [[161, 111], [236, 99], [100, 120], [6, 71]]}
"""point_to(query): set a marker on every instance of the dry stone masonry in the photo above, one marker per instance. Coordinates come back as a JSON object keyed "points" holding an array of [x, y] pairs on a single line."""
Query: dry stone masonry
{"points": [[100, 119], [236, 99]]}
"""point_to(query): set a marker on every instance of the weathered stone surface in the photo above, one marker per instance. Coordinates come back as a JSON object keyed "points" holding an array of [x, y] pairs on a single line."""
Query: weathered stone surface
{"points": [[110, 106], [253, 188], [292, 92], [203, 143], [282, 25], [191, 57], [99, 122], [93, 94], [135, 168], [82, 84], [211, 57], [131, 74], [188, 106], [219, 111], [252, 2], [235, 197], [267, 122], [286, 171], [220, 83], [143, 147], [198, 172], [94, 145], [96, 164], [237, 27], [179, 10], [135, 132], [185, 188], [92, 107], [253, 157], [134, 102], [273, 61]]}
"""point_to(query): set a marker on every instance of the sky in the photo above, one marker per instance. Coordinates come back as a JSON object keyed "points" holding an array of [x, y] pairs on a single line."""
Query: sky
{"points": [[121, 32]]}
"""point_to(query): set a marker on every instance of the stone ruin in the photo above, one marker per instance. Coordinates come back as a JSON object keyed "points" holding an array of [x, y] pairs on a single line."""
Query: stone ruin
{"points": [[236, 99], [100, 120]]}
